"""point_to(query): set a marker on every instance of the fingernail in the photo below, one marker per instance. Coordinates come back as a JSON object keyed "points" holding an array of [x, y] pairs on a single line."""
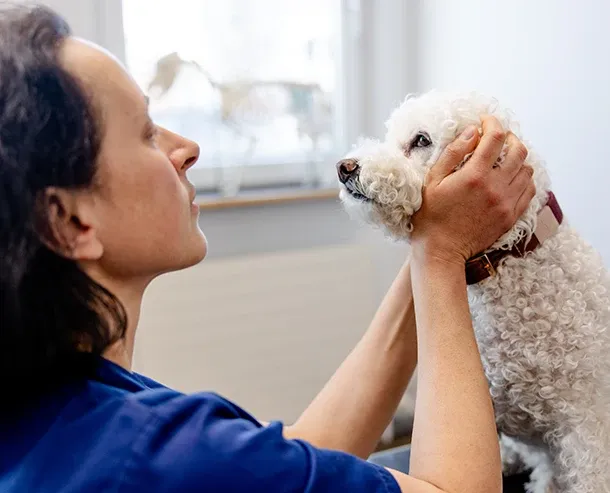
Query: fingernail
{"points": [[468, 133]]}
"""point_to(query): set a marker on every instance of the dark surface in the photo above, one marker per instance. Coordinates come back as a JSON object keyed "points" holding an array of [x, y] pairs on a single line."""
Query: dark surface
{"points": [[515, 484], [398, 459]]}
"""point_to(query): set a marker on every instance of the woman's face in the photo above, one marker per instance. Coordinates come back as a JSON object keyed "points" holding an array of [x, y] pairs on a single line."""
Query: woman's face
{"points": [[142, 208]]}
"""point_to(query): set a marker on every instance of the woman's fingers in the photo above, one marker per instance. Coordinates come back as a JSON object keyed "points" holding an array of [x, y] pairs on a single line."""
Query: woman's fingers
{"points": [[515, 158], [521, 186], [521, 180], [524, 200], [454, 154], [490, 147]]}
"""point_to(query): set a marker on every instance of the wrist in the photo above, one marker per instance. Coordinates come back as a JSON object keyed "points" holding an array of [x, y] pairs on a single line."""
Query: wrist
{"points": [[436, 256], [437, 268]]}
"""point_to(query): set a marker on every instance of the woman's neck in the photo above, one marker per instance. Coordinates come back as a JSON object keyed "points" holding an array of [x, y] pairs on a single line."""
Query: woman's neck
{"points": [[121, 352], [130, 294]]}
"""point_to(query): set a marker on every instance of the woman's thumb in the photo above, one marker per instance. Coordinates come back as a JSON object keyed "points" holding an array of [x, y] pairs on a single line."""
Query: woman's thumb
{"points": [[455, 153]]}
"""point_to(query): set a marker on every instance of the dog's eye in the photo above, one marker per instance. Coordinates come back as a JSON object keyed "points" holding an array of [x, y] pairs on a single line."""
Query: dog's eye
{"points": [[421, 140]]}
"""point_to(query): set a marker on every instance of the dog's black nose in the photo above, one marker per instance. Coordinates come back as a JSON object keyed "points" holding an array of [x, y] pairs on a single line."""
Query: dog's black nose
{"points": [[346, 168]]}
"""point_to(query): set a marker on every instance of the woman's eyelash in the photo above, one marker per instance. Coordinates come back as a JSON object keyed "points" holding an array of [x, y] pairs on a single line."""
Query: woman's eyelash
{"points": [[151, 132]]}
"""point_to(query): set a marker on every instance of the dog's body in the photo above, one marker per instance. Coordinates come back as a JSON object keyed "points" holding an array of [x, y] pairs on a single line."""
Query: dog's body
{"points": [[542, 322], [542, 329]]}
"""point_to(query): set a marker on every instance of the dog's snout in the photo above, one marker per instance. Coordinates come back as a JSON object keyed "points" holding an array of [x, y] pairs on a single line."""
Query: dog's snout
{"points": [[346, 168]]}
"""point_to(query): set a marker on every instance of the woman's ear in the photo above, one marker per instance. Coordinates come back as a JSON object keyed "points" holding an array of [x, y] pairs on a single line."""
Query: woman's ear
{"points": [[67, 224]]}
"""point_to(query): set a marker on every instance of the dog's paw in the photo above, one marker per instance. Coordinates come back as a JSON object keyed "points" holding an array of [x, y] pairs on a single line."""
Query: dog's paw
{"points": [[512, 460], [541, 486], [541, 478]]}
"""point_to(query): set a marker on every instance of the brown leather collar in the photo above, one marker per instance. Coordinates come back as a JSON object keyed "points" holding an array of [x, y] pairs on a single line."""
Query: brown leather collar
{"points": [[482, 266]]}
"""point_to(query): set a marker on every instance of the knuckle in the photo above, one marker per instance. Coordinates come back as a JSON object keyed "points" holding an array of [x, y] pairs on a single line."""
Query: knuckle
{"points": [[505, 216], [531, 191], [475, 180], [498, 135], [453, 153], [522, 151], [494, 199], [508, 222]]}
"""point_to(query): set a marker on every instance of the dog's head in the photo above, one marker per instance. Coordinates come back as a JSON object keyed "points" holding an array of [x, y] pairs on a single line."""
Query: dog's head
{"points": [[382, 181]]}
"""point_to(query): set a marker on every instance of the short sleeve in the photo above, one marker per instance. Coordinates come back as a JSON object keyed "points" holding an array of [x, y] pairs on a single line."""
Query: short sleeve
{"points": [[204, 443]]}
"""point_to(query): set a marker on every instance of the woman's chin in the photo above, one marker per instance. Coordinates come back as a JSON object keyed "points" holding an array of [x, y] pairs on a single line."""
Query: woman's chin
{"points": [[192, 253], [200, 248], [186, 255]]}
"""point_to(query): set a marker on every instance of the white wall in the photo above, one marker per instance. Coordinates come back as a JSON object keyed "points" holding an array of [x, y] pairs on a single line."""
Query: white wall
{"points": [[549, 61], [79, 14]]}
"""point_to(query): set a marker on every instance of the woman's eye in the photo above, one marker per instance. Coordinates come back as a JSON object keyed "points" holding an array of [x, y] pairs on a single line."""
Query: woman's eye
{"points": [[421, 140], [151, 134]]}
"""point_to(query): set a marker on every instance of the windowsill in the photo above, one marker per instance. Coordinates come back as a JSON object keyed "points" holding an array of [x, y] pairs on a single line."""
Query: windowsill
{"points": [[258, 198]]}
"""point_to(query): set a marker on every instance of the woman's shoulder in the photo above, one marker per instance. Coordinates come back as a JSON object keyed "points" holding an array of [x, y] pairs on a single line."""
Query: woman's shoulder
{"points": [[141, 395], [150, 437], [98, 434], [168, 405]]}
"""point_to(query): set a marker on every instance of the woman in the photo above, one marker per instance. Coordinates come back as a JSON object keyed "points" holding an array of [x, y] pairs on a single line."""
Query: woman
{"points": [[95, 203]]}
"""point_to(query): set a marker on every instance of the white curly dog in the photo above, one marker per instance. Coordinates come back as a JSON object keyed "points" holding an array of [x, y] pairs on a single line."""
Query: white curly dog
{"points": [[539, 297]]}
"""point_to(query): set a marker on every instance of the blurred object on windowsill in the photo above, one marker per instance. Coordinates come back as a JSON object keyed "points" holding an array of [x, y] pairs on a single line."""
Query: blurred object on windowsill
{"points": [[240, 99]]}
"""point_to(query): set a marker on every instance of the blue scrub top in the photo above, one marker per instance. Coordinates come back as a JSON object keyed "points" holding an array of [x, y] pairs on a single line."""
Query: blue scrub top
{"points": [[123, 432]]}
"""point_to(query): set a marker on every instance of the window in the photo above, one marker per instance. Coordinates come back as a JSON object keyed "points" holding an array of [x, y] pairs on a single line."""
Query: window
{"points": [[261, 85]]}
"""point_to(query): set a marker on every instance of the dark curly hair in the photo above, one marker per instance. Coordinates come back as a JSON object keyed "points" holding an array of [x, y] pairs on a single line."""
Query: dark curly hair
{"points": [[50, 136]]}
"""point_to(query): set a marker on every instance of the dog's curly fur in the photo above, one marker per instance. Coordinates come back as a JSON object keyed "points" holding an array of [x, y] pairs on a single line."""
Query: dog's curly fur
{"points": [[542, 323]]}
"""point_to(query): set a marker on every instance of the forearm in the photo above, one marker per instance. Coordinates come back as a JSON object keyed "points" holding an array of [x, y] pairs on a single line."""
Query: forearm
{"points": [[455, 445], [357, 404]]}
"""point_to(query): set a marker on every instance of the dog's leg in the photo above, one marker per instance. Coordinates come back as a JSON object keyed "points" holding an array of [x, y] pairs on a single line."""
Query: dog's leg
{"points": [[518, 457], [512, 459], [541, 478]]}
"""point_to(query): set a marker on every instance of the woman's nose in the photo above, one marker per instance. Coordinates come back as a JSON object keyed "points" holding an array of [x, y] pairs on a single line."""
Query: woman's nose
{"points": [[185, 154], [182, 152]]}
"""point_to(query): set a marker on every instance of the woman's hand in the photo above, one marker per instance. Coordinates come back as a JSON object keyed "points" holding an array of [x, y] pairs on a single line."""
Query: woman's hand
{"points": [[465, 211]]}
